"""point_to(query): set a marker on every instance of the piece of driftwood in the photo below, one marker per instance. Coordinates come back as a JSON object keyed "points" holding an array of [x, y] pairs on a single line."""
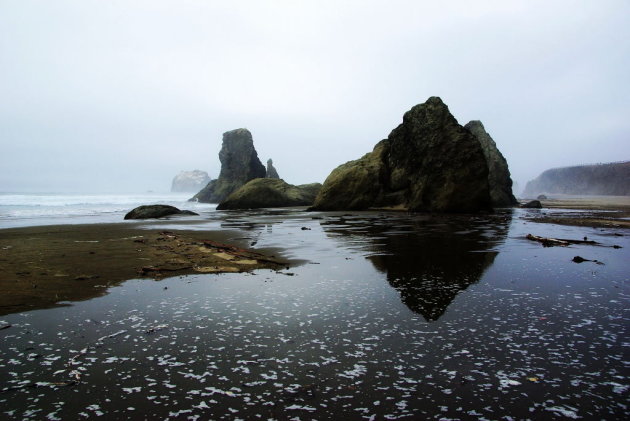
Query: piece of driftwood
{"points": [[151, 269], [563, 242]]}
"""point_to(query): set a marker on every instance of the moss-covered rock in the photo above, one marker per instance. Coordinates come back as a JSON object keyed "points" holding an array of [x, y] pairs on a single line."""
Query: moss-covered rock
{"points": [[428, 163], [310, 191], [356, 184], [270, 193]]}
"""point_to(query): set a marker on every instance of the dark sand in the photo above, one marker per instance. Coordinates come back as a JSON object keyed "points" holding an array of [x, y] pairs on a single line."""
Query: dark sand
{"points": [[43, 266], [399, 316]]}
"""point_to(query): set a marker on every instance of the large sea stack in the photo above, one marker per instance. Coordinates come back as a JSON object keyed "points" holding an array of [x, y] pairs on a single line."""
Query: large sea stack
{"points": [[428, 163], [499, 179], [611, 179], [190, 181], [239, 164]]}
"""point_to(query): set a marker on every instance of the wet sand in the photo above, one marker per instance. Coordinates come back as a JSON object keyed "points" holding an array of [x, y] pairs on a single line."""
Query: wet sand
{"points": [[619, 203], [396, 316], [44, 266], [587, 211]]}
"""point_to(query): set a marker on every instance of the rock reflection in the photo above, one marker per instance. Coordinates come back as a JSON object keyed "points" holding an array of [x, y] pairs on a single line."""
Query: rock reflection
{"points": [[252, 224], [252, 220], [427, 259]]}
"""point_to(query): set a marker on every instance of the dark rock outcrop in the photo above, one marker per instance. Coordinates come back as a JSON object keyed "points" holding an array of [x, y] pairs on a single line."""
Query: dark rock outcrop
{"points": [[428, 163], [270, 193], [611, 179], [499, 179], [190, 181], [271, 170], [156, 211], [239, 164], [533, 204]]}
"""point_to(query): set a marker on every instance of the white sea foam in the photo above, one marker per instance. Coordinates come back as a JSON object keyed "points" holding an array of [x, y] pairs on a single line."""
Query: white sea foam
{"points": [[21, 210]]}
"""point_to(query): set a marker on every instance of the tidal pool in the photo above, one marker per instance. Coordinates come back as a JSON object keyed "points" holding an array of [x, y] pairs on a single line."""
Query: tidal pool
{"points": [[391, 316]]}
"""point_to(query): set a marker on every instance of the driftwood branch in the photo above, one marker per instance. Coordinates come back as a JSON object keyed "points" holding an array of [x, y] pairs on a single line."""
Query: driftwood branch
{"points": [[550, 242], [151, 269]]}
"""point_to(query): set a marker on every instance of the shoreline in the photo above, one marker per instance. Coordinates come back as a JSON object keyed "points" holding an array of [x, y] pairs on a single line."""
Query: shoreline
{"points": [[586, 211], [46, 266]]}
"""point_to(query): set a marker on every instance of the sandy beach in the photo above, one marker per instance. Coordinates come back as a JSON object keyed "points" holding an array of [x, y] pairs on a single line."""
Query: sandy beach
{"points": [[46, 266], [586, 211], [50, 264]]}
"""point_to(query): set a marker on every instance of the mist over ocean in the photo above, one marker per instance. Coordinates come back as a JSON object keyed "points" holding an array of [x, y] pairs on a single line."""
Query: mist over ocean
{"points": [[32, 209]]}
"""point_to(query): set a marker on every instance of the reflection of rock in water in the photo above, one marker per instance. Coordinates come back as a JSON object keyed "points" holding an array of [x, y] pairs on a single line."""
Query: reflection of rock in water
{"points": [[429, 260], [429, 276]]}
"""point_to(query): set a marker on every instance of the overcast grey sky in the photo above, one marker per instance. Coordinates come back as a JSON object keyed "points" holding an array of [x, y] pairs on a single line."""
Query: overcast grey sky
{"points": [[119, 96]]}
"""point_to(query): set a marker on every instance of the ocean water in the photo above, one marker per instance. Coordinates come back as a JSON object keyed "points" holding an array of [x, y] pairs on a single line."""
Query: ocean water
{"points": [[22, 209]]}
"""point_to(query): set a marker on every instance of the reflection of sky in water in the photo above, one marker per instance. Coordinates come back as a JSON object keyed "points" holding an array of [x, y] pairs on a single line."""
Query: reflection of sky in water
{"points": [[394, 316]]}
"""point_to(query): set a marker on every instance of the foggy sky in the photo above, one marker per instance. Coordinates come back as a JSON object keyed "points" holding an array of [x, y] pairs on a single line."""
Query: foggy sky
{"points": [[119, 96]]}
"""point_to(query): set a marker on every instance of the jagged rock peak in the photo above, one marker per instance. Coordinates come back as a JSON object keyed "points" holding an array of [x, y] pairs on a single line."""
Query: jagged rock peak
{"points": [[499, 179], [271, 170], [239, 164], [432, 114], [190, 181]]}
